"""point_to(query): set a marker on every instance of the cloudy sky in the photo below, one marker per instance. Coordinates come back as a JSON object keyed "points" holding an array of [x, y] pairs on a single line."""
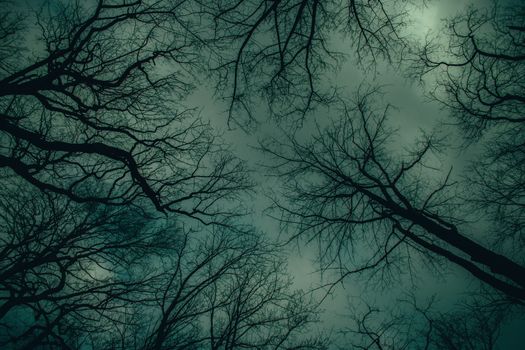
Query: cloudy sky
{"points": [[414, 113]]}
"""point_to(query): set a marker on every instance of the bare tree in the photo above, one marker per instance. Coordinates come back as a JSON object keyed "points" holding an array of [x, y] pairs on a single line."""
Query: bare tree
{"points": [[92, 118], [95, 101], [369, 332], [94, 97], [230, 292], [369, 210], [482, 68], [481, 83], [67, 269], [88, 275], [412, 326], [282, 49]]}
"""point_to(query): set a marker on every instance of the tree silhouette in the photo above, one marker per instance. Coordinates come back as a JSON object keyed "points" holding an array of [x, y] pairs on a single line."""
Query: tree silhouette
{"points": [[122, 211], [231, 292], [413, 326], [282, 49], [93, 118], [482, 87], [106, 277], [347, 189], [66, 268], [99, 105], [481, 69]]}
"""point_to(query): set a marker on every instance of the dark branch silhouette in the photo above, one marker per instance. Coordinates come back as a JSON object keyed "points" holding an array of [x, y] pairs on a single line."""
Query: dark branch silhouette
{"points": [[281, 49], [482, 68], [410, 325], [75, 275], [100, 106], [347, 189], [482, 87]]}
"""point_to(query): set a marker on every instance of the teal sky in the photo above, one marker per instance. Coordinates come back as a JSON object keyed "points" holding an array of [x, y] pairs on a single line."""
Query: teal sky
{"points": [[414, 113]]}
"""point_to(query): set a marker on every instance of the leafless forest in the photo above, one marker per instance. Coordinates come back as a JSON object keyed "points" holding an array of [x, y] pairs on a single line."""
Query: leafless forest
{"points": [[262, 174]]}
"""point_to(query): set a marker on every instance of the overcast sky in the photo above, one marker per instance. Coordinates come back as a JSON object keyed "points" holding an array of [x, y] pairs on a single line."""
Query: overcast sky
{"points": [[414, 113]]}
